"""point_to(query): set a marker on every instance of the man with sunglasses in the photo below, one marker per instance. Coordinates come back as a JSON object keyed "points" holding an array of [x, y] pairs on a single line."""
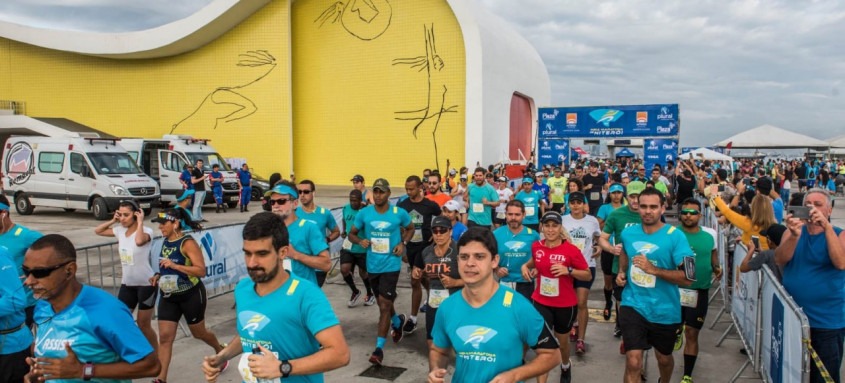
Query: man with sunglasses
{"points": [[694, 302], [308, 248], [15, 338], [383, 230], [82, 332], [16, 239], [320, 216], [434, 190]]}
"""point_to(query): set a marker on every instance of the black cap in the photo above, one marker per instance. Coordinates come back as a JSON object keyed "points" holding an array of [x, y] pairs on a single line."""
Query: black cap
{"points": [[577, 196], [774, 233], [441, 221], [551, 216], [357, 178]]}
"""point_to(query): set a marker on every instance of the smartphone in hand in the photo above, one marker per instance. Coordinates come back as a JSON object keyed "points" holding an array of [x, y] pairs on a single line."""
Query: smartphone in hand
{"points": [[800, 212]]}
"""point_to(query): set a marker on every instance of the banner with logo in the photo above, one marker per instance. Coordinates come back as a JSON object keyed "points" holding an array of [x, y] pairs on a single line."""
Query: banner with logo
{"points": [[784, 325], [659, 152], [552, 152], [222, 249], [745, 304], [609, 121]]}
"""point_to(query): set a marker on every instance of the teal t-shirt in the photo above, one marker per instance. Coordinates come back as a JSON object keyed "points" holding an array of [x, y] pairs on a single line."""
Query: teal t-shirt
{"points": [[487, 340], [384, 231], [531, 200], [321, 217], [616, 222], [605, 211], [478, 212], [657, 300], [99, 328], [286, 321], [349, 219], [702, 243], [514, 250], [306, 238], [17, 240], [12, 304]]}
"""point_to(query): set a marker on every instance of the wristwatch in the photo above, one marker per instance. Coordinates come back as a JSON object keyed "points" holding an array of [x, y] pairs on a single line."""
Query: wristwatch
{"points": [[87, 371], [285, 368], [569, 269]]}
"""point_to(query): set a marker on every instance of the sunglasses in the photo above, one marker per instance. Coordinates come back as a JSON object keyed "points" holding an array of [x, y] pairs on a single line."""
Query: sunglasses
{"points": [[280, 201], [304, 191], [439, 230], [433, 183], [690, 212], [42, 272]]}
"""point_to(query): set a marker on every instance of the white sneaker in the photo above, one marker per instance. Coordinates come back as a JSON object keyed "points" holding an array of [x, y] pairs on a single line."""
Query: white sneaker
{"points": [[355, 299]]}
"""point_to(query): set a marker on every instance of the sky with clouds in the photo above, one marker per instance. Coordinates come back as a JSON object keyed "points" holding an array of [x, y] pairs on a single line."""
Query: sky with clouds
{"points": [[731, 65]]}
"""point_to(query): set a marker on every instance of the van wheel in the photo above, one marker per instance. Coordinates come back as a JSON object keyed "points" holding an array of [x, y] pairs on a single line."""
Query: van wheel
{"points": [[23, 205], [147, 211], [256, 194], [70, 210], [100, 209], [232, 205]]}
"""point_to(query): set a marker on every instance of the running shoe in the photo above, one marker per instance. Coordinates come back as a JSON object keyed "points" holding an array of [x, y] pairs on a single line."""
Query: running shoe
{"points": [[573, 334], [580, 347], [409, 327], [355, 299], [424, 308], [617, 332], [686, 379], [566, 375], [679, 339], [370, 300], [377, 356], [397, 332]]}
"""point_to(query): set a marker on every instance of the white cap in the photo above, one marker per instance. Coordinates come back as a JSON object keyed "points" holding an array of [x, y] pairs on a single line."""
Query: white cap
{"points": [[452, 205]]}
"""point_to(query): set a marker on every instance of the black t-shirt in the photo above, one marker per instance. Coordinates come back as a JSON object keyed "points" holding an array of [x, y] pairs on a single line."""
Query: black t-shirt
{"points": [[685, 188], [421, 214], [198, 173], [597, 181]]}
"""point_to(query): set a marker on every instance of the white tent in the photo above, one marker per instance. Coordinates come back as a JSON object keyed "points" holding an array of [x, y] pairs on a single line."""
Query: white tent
{"points": [[705, 154], [837, 142], [768, 136]]}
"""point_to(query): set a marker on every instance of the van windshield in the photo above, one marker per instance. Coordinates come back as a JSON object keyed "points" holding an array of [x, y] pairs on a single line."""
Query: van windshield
{"points": [[113, 163], [208, 160]]}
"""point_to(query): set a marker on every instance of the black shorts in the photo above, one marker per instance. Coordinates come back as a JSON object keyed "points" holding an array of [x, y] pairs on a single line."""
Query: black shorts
{"points": [[640, 334], [142, 297], [13, 366], [430, 314], [359, 259], [500, 222], [607, 263], [190, 303], [384, 284], [694, 316], [585, 284], [533, 226], [560, 319], [414, 251], [558, 207]]}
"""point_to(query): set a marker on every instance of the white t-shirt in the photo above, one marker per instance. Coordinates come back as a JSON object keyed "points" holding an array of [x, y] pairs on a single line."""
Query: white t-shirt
{"points": [[504, 195], [787, 185], [712, 234], [583, 233], [135, 261]]}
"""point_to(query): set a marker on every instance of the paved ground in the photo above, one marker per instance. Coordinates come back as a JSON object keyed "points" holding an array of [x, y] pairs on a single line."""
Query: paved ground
{"points": [[602, 363]]}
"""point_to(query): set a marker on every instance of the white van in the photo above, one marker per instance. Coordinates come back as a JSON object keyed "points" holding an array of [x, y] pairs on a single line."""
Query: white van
{"points": [[73, 173], [164, 159]]}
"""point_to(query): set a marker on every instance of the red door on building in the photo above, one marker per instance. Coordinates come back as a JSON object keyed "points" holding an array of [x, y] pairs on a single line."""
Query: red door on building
{"points": [[520, 127]]}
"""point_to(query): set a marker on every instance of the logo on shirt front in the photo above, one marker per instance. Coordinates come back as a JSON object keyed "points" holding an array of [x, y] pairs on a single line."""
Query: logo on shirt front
{"points": [[46, 343], [514, 246], [252, 321], [645, 248], [476, 335], [380, 225]]}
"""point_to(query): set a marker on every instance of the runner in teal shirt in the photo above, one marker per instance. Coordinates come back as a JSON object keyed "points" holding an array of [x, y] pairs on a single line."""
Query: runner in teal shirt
{"points": [[514, 242], [482, 199], [16, 337], [16, 239], [534, 204]]}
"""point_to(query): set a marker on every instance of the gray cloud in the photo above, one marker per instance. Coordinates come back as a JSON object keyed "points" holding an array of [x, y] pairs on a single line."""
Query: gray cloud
{"points": [[731, 65]]}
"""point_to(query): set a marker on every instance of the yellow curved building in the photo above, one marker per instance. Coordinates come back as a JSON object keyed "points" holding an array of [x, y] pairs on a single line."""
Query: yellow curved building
{"points": [[327, 89]]}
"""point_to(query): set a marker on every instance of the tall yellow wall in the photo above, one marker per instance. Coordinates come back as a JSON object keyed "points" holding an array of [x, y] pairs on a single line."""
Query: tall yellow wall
{"points": [[146, 98], [356, 63]]}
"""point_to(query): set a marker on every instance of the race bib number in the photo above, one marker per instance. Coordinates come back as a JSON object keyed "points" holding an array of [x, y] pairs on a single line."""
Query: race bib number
{"points": [[579, 243], [478, 208], [500, 215], [246, 374], [126, 257], [168, 283], [417, 236], [549, 287], [595, 196], [380, 245], [529, 211], [689, 298], [558, 191], [641, 278], [347, 244], [436, 297]]}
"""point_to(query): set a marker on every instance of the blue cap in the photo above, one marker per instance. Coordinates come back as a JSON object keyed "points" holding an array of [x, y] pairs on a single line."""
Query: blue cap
{"points": [[528, 180], [616, 188], [282, 189], [182, 195]]}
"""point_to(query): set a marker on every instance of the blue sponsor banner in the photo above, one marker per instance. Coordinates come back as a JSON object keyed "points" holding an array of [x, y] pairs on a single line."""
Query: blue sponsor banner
{"points": [[552, 152], [776, 348], [609, 121], [659, 152]]}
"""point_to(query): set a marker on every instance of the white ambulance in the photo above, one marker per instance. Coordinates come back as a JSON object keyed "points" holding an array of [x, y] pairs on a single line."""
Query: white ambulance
{"points": [[164, 160], [81, 172]]}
